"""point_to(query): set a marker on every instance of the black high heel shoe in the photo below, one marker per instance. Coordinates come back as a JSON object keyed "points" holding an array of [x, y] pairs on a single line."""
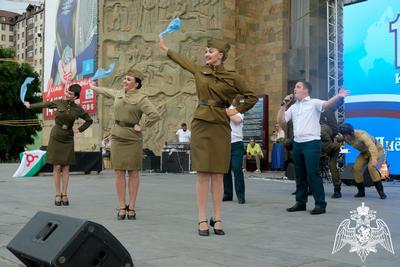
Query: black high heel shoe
{"points": [[130, 217], [121, 216], [203, 232], [216, 231], [58, 202], [64, 202]]}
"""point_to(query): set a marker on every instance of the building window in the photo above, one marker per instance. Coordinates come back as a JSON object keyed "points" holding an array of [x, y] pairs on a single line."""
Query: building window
{"points": [[23, 34], [11, 28], [11, 38], [29, 21], [17, 46], [35, 62], [29, 43], [23, 45], [29, 54], [3, 27], [18, 36], [41, 15], [30, 32], [35, 51], [40, 49], [36, 18], [22, 56], [3, 37], [36, 29]]}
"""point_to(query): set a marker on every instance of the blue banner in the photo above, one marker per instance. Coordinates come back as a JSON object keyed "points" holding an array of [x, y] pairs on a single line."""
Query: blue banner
{"points": [[372, 73]]}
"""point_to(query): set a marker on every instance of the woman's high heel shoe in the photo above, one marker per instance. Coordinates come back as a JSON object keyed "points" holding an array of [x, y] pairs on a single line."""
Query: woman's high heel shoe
{"points": [[121, 216], [205, 232], [129, 216], [64, 202], [216, 231], [58, 202]]}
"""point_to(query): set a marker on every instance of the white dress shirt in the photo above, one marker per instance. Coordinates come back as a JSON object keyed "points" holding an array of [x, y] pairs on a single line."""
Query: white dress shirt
{"points": [[305, 115], [236, 129]]}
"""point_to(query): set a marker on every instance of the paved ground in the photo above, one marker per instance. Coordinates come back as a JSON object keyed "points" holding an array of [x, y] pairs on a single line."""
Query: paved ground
{"points": [[259, 233]]}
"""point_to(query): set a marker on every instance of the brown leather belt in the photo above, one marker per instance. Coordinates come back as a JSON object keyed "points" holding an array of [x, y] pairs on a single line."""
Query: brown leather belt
{"points": [[63, 126], [125, 124], [213, 103]]}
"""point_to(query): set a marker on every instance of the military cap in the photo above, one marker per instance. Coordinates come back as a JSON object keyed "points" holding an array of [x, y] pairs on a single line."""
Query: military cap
{"points": [[136, 74], [76, 89], [219, 44]]}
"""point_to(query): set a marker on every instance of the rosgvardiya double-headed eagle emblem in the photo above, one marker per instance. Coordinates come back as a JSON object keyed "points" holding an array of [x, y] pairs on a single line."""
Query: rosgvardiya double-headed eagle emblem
{"points": [[362, 238]]}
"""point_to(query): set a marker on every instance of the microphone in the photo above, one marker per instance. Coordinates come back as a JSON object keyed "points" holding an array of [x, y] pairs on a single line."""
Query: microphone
{"points": [[286, 101]]}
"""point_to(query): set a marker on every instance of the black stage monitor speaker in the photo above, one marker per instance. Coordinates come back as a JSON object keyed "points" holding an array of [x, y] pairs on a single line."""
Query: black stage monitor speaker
{"points": [[50, 240], [175, 162], [347, 176]]}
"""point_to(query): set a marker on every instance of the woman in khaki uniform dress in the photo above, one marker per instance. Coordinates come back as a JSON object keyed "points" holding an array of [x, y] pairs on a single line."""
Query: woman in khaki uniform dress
{"points": [[126, 137], [210, 143], [60, 150]]}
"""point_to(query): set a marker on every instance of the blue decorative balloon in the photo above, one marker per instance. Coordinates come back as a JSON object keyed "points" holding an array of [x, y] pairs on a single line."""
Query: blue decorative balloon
{"points": [[101, 73], [173, 26], [24, 88]]}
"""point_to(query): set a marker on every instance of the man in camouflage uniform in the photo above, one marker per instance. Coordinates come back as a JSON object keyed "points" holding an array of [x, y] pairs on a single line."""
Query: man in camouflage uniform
{"points": [[370, 153], [331, 147]]}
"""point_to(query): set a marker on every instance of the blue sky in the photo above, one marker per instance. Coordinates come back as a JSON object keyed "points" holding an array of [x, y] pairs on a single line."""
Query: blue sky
{"points": [[14, 6]]}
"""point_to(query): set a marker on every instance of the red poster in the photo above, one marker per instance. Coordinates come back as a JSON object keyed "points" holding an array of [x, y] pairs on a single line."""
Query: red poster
{"points": [[87, 98]]}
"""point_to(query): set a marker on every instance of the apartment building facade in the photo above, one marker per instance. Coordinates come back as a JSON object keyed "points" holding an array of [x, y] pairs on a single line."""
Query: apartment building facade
{"points": [[7, 22], [28, 33]]}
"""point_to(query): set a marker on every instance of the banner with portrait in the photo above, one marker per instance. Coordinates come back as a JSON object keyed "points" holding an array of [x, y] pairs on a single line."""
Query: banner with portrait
{"points": [[70, 50]]}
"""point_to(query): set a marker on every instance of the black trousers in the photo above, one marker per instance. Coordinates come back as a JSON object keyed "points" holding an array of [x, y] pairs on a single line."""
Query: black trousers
{"points": [[237, 151]]}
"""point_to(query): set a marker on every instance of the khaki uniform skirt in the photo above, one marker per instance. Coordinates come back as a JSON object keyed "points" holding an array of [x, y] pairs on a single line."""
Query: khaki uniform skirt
{"points": [[210, 146], [60, 150], [126, 154]]}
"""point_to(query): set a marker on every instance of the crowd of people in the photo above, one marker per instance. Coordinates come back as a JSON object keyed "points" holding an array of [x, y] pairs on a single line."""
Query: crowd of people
{"points": [[216, 138]]}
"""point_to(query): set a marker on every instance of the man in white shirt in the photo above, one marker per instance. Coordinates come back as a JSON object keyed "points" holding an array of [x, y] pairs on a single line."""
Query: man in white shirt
{"points": [[237, 151], [305, 114], [183, 135]]}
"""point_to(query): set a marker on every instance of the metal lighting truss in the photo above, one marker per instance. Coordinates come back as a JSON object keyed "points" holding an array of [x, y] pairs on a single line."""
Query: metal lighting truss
{"points": [[334, 12]]}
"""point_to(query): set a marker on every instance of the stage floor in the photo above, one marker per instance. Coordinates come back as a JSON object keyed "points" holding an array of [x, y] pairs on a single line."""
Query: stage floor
{"points": [[258, 233]]}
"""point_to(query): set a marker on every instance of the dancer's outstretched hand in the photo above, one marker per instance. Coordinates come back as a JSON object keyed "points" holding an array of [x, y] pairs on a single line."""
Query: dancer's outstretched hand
{"points": [[27, 104], [163, 46]]}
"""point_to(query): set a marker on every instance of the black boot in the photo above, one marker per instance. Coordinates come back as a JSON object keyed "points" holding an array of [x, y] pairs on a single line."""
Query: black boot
{"points": [[361, 190], [336, 192], [379, 188]]}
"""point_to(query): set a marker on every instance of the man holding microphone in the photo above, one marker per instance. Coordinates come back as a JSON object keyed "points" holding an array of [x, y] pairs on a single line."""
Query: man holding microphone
{"points": [[305, 114]]}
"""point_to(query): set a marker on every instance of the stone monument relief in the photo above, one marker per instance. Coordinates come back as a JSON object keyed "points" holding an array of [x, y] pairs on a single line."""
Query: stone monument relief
{"points": [[129, 38]]}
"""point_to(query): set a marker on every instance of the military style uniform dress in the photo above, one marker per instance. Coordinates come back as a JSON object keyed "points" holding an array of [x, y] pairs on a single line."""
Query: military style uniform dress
{"points": [[126, 143], [60, 150], [211, 133], [369, 149]]}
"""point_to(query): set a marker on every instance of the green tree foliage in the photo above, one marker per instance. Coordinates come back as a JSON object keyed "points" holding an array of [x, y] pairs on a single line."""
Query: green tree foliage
{"points": [[8, 52], [14, 138]]}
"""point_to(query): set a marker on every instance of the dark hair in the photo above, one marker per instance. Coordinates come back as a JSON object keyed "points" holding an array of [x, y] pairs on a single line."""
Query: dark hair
{"points": [[346, 129], [307, 85], [139, 82], [76, 89], [224, 54], [183, 124]]}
